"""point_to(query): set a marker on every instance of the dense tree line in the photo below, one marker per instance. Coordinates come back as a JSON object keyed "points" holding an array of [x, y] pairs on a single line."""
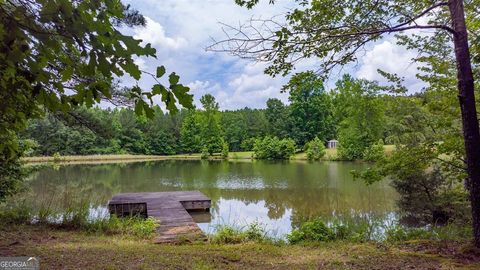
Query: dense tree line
{"points": [[355, 112]]}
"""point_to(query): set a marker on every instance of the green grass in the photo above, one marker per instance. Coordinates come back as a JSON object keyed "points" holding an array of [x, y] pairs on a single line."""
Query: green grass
{"points": [[357, 230], [91, 158], [66, 249], [331, 154], [240, 155], [228, 234]]}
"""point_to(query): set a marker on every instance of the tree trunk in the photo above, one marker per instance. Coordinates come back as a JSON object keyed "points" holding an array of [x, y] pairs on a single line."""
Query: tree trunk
{"points": [[466, 97]]}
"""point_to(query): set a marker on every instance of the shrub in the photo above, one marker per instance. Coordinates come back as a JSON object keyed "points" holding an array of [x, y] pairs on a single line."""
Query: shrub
{"points": [[255, 232], [273, 148], [225, 150], [12, 175], [205, 154], [350, 148], [247, 144], [315, 149], [354, 230], [18, 214], [430, 197], [311, 231], [227, 235], [374, 152], [57, 157]]}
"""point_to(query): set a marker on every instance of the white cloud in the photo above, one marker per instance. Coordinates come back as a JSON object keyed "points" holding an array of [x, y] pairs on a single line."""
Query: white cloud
{"points": [[253, 88], [140, 62], [200, 88], [250, 88], [154, 33], [181, 29], [391, 58]]}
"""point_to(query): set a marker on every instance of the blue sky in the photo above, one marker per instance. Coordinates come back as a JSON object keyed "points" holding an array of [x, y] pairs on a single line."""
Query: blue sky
{"points": [[180, 30]]}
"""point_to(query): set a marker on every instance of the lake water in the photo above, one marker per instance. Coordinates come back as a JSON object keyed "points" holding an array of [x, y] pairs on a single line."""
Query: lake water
{"points": [[278, 195]]}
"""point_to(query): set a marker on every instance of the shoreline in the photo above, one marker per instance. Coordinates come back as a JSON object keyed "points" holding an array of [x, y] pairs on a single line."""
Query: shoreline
{"points": [[331, 155], [95, 159]]}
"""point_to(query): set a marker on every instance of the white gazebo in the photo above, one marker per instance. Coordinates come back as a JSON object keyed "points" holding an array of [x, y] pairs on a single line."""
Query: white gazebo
{"points": [[332, 144]]}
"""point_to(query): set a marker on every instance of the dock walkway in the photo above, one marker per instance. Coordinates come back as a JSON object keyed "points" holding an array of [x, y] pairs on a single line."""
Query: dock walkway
{"points": [[169, 208]]}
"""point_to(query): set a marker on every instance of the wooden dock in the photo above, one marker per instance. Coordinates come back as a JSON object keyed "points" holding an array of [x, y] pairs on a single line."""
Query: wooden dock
{"points": [[169, 208]]}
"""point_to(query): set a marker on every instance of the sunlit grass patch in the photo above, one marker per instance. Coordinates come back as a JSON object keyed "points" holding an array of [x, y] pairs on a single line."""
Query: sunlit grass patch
{"points": [[240, 155]]}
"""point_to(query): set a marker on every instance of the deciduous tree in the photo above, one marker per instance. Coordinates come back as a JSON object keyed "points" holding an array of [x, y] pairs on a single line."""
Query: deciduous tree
{"points": [[335, 31], [57, 55]]}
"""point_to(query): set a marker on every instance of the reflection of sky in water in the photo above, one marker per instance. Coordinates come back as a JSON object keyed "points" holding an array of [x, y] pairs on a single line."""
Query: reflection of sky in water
{"points": [[239, 214], [98, 212]]}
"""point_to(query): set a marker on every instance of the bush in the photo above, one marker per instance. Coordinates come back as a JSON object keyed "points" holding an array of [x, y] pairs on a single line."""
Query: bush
{"points": [[12, 175], [227, 235], [18, 214], [315, 149], [57, 157], [225, 150], [273, 148], [354, 230], [247, 144], [430, 197], [374, 152], [205, 154], [350, 148], [311, 231]]}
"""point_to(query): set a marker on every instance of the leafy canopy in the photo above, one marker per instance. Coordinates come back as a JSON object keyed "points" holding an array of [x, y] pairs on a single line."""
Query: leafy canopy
{"points": [[57, 55]]}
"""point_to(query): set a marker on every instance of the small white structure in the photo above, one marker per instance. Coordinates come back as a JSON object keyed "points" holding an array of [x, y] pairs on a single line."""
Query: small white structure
{"points": [[332, 144]]}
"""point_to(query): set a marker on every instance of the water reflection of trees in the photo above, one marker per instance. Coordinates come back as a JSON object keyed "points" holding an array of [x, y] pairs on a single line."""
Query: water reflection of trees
{"points": [[308, 189]]}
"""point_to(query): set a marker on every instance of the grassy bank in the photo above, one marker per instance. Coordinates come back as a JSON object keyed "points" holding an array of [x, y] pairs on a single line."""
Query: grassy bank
{"points": [[66, 249], [90, 158], [331, 154]]}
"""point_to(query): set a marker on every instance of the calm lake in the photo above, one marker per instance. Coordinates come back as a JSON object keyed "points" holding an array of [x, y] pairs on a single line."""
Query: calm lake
{"points": [[278, 195]]}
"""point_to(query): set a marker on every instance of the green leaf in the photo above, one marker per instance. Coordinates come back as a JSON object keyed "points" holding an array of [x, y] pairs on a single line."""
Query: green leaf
{"points": [[149, 112], [173, 78], [139, 107], [170, 102], [131, 69], [181, 92], [149, 50], [159, 89], [160, 71], [67, 73]]}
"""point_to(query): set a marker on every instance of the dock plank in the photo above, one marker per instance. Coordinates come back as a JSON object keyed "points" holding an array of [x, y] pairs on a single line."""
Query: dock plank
{"points": [[170, 208]]}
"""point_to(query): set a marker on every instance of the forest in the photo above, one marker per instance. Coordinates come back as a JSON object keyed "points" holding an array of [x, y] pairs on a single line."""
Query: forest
{"points": [[359, 113]]}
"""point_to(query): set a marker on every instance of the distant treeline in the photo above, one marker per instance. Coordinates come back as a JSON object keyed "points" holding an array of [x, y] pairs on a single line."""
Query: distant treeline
{"points": [[357, 112]]}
